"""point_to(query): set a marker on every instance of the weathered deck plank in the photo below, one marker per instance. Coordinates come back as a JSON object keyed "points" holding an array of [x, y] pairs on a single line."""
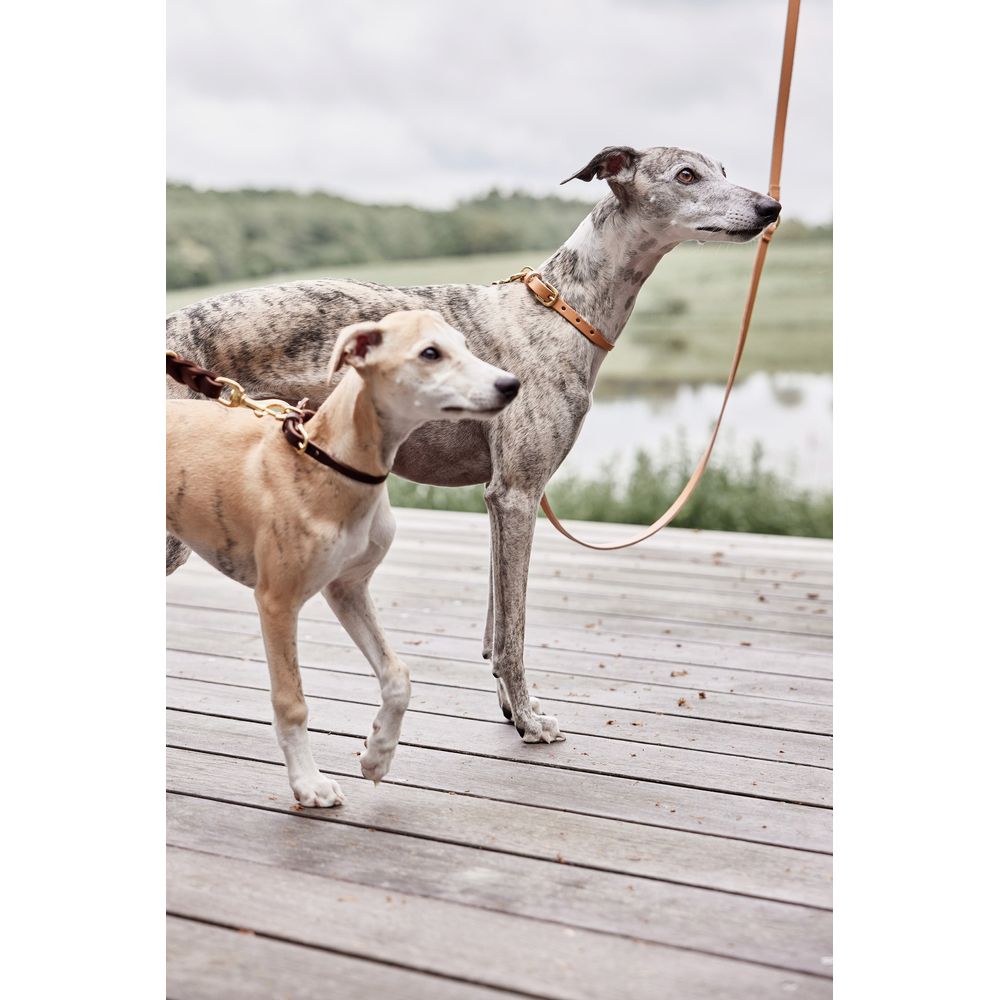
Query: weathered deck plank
{"points": [[662, 849], [537, 957], [602, 705], [685, 858], [675, 807], [758, 779], [467, 603], [201, 624], [716, 923], [218, 963]]}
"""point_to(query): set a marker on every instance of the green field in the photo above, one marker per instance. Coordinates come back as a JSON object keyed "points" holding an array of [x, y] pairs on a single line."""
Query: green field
{"points": [[685, 321]]}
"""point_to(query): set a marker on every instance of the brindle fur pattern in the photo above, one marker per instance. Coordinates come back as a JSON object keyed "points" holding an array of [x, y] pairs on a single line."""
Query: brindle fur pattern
{"points": [[276, 339]]}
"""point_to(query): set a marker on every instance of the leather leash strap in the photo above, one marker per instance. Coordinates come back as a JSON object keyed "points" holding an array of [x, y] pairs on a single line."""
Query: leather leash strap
{"points": [[774, 190], [231, 394]]}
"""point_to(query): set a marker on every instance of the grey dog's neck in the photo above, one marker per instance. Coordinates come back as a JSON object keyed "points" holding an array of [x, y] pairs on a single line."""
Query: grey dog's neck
{"points": [[601, 267]]}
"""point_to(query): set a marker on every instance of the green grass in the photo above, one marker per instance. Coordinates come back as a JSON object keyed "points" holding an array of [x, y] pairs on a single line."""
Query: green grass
{"points": [[730, 497], [685, 322]]}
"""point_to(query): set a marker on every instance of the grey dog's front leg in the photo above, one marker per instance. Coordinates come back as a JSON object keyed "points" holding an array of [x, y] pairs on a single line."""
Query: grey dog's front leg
{"points": [[512, 526], [488, 655]]}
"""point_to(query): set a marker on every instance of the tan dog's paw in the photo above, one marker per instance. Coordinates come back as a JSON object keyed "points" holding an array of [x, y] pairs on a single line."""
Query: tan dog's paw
{"points": [[540, 729], [317, 792], [375, 762]]}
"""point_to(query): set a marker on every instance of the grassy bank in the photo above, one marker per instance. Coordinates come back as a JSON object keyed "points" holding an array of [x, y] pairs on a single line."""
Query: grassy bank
{"points": [[684, 325], [729, 498]]}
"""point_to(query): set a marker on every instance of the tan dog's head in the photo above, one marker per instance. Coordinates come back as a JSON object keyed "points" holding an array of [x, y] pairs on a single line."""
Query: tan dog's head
{"points": [[418, 367]]}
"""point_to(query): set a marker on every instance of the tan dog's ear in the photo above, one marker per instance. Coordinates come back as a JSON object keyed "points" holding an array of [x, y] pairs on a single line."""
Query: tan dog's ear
{"points": [[354, 344]]}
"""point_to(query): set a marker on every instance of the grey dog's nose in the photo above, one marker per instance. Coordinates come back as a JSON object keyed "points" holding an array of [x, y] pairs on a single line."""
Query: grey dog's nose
{"points": [[768, 209], [507, 386]]}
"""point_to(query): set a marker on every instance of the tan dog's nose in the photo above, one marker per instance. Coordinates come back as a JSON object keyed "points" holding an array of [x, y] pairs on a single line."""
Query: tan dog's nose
{"points": [[508, 386]]}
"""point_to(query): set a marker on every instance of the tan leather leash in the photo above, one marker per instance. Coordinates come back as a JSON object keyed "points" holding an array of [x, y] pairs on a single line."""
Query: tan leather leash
{"points": [[774, 190]]}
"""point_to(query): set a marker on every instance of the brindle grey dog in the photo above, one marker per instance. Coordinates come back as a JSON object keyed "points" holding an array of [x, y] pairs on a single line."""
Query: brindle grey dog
{"points": [[277, 341]]}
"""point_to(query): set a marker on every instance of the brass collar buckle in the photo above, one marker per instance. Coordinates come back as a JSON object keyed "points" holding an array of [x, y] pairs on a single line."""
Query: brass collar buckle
{"points": [[525, 276]]}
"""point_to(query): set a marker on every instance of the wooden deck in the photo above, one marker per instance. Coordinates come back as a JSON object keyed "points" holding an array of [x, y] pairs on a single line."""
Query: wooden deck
{"points": [[676, 845]]}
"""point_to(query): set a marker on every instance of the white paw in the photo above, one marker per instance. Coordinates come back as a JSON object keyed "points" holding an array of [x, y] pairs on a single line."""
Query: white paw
{"points": [[317, 792], [536, 705], [540, 729]]}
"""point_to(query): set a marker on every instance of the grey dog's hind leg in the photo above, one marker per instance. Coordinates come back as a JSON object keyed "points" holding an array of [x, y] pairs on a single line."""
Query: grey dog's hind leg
{"points": [[488, 631], [512, 524], [177, 554]]}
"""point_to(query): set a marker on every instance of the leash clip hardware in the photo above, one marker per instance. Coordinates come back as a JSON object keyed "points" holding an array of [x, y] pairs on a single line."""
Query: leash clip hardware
{"points": [[232, 395], [521, 275], [276, 408]]}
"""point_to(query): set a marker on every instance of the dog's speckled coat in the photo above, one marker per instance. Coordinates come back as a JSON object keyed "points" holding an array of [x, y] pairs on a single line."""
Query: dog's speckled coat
{"points": [[276, 341]]}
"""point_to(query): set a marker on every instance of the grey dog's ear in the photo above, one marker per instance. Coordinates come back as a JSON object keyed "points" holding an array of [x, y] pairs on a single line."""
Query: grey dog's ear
{"points": [[354, 344], [610, 163]]}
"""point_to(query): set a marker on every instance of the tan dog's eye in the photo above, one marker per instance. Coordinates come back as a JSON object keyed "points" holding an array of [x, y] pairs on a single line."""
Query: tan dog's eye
{"points": [[430, 354], [686, 176]]}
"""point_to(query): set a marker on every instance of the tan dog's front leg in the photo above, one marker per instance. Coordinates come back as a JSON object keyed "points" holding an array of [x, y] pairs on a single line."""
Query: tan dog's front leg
{"points": [[352, 604], [278, 623]]}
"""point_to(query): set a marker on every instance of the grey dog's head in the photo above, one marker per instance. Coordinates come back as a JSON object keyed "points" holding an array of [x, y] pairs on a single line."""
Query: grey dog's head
{"points": [[679, 195]]}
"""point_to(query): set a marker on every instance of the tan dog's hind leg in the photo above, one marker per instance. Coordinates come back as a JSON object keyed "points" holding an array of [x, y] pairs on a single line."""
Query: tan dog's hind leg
{"points": [[352, 604], [279, 621]]}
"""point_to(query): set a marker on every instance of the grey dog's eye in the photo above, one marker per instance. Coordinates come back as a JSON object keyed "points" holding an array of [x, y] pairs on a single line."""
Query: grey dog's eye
{"points": [[686, 176], [430, 354]]}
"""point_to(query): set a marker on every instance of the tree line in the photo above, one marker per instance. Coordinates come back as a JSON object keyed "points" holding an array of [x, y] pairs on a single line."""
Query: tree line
{"points": [[215, 236]]}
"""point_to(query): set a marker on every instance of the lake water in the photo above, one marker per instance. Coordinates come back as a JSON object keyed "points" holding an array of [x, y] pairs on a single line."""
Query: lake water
{"points": [[789, 414]]}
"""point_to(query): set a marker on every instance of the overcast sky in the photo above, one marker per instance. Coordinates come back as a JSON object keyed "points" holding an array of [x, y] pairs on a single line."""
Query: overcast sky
{"points": [[433, 100]]}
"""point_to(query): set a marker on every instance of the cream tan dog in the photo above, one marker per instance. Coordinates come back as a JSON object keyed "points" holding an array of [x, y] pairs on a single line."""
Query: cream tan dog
{"points": [[276, 520]]}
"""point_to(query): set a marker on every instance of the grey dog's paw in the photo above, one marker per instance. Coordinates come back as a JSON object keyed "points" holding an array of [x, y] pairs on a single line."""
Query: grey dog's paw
{"points": [[536, 705], [540, 729]]}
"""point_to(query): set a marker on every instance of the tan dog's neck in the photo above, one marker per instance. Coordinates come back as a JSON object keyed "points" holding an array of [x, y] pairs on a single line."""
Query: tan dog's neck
{"points": [[349, 427]]}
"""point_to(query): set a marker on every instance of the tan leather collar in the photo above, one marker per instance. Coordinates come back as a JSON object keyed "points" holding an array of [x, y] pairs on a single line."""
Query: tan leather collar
{"points": [[551, 299]]}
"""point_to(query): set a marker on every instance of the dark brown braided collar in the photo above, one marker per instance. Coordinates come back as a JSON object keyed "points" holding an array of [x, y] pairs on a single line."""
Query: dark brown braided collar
{"points": [[293, 418]]}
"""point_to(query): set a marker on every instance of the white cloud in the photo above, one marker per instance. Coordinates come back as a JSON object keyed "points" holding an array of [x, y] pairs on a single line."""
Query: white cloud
{"points": [[430, 102]]}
